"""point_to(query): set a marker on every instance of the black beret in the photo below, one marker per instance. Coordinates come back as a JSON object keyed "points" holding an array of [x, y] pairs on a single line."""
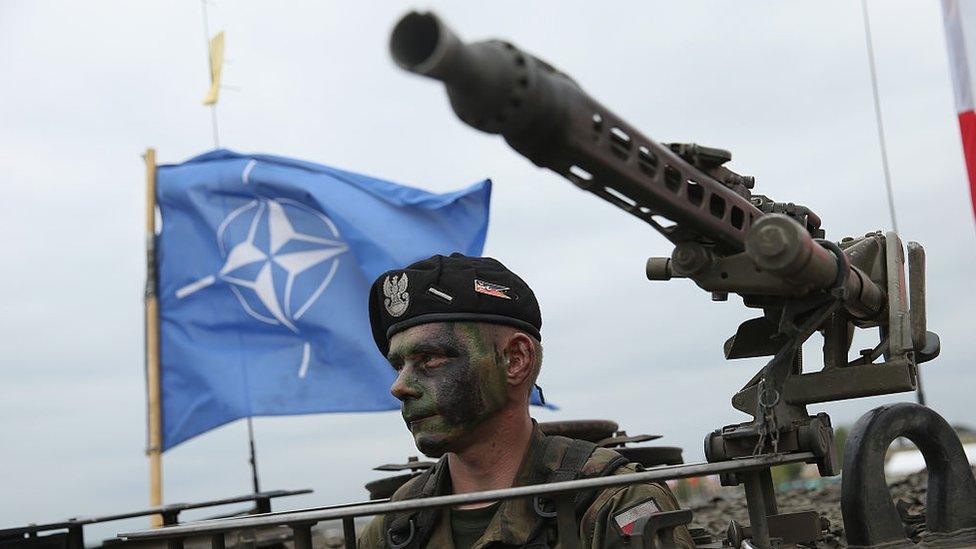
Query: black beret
{"points": [[446, 289]]}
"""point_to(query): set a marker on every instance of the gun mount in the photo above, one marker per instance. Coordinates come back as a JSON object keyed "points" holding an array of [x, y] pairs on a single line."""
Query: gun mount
{"points": [[727, 240]]}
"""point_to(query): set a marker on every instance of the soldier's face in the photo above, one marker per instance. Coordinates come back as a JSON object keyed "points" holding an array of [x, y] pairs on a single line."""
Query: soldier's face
{"points": [[450, 379]]}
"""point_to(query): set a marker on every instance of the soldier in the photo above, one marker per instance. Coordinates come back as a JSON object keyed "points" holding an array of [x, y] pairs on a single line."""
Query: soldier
{"points": [[463, 335]]}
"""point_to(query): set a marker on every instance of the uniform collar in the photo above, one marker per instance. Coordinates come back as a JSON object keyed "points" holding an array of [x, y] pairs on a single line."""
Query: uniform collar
{"points": [[516, 520]]}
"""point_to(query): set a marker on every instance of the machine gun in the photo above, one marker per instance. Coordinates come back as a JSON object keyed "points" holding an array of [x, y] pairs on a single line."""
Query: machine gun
{"points": [[727, 239]]}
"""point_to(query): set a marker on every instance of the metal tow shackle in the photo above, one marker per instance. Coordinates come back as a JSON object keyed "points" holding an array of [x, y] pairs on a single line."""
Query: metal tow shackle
{"points": [[870, 517]]}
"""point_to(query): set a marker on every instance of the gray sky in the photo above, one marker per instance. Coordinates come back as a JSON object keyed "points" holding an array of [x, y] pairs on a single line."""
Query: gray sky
{"points": [[784, 85]]}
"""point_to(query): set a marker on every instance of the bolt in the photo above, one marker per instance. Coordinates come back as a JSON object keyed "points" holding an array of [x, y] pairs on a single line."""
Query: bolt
{"points": [[771, 241], [684, 255], [690, 258]]}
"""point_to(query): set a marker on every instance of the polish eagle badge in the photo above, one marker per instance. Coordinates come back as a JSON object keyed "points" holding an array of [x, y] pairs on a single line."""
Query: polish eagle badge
{"points": [[397, 299]]}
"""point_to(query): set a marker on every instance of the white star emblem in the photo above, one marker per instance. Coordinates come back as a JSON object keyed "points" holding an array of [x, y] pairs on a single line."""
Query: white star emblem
{"points": [[280, 233], [284, 239]]}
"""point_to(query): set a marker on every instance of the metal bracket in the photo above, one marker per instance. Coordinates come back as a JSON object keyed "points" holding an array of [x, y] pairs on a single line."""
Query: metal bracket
{"points": [[657, 530]]}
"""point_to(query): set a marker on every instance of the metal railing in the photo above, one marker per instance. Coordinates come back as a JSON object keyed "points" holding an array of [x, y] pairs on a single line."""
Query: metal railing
{"points": [[74, 537], [751, 469]]}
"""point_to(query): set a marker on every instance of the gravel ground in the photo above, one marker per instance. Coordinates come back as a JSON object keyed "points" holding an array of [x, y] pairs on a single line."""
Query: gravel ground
{"points": [[714, 515]]}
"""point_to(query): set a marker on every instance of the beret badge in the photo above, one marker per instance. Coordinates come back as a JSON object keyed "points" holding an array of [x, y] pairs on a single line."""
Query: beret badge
{"points": [[397, 299]]}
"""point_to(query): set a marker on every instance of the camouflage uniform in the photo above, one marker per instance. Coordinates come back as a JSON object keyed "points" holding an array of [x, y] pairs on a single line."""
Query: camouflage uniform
{"points": [[516, 523]]}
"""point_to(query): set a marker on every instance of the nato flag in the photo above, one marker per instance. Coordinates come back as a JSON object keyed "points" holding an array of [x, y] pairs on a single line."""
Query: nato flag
{"points": [[265, 265]]}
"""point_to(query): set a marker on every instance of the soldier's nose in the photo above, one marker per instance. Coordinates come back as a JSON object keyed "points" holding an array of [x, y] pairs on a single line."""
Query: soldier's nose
{"points": [[401, 389]]}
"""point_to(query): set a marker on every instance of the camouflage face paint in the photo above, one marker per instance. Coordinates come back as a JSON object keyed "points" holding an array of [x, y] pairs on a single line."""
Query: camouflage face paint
{"points": [[451, 378]]}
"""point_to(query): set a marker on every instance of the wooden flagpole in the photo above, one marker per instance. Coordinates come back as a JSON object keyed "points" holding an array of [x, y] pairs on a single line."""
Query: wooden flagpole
{"points": [[154, 409]]}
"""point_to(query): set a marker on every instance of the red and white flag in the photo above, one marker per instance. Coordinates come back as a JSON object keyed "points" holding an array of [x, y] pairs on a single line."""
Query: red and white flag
{"points": [[627, 519], [960, 26]]}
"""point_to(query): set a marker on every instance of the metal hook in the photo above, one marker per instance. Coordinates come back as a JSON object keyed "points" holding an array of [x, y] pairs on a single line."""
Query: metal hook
{"points": [[393, 544]]}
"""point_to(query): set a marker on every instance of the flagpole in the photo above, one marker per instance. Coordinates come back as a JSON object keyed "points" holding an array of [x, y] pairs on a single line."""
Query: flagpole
{"points": [[254, 457], [154, 448], [214, 81]]}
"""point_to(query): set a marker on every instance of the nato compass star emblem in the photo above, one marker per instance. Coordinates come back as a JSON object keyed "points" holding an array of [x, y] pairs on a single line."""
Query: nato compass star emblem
{"points": [[279, 256]]}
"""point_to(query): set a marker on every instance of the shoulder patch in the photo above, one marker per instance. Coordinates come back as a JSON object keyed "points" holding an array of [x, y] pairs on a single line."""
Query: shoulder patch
{"points": [[627, 518]]}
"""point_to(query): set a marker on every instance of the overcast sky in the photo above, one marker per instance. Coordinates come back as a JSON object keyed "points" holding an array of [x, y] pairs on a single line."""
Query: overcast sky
{"points": [[85, 87]]}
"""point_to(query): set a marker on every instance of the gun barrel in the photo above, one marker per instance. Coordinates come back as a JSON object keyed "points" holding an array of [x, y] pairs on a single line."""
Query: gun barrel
{"points": [[779, 245], [422, 44], [543, 114], [480, 77]]}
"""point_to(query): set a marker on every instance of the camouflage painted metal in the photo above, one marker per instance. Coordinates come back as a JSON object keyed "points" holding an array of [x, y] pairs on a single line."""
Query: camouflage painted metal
{"points": [[383, 488], [592, 430]]}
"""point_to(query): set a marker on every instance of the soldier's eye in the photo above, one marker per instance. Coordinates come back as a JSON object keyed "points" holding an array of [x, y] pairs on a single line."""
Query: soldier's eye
{"points": [[430, 360]]}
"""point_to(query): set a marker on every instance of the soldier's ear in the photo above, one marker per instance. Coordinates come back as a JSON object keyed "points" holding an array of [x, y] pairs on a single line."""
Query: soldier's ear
{"points": [[519, 356]]}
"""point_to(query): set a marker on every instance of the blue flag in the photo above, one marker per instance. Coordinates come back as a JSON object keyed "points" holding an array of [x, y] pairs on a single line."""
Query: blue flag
{"points": [[265, 265]]}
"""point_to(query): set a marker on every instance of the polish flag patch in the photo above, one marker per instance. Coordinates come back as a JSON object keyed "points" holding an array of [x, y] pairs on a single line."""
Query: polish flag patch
{"points": [[627, 518], [489, 288]]}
